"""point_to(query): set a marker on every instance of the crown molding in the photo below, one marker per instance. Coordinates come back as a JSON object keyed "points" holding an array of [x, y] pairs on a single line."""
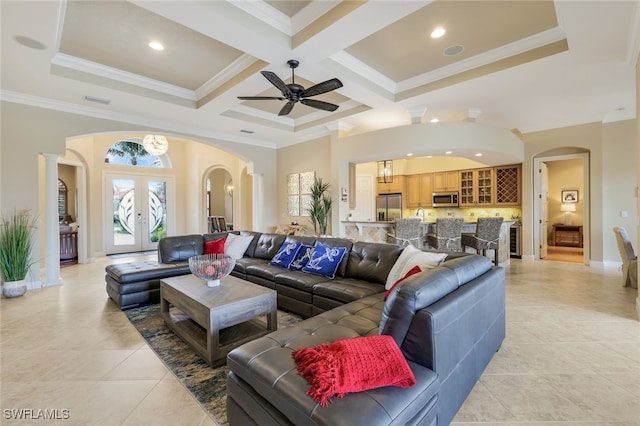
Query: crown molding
{"points": [[267, 14], [350, 62], [94, 68], [178, 129], [232, 70], [494, 55]]}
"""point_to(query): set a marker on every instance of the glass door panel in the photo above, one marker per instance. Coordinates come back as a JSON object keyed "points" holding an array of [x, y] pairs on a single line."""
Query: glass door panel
{"points": [[137, 213]]}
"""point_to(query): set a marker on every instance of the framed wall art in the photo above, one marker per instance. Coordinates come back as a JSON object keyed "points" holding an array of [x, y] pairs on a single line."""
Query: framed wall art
{"points": [[569, 196]]}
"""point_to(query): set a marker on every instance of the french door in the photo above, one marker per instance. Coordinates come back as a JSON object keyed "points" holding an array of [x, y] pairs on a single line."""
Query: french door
{"points": [[136, 213]]}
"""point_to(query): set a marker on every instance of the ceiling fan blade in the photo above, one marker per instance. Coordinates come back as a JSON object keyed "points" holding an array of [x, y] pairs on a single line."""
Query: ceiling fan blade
{"points": [[326, 106], [286, 109], [324, 87], [276, 81], [260, 98]]}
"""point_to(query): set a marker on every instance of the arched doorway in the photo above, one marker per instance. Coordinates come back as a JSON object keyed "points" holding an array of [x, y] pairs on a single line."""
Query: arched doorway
{"points": [[219, 200]]}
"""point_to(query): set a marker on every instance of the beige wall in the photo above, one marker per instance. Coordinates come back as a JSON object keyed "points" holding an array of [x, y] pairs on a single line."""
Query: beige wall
{"points": [[28, 131], [312, 156]]}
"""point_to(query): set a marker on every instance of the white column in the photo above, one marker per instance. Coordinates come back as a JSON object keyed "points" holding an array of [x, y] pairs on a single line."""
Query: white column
{"points": [[257, 221], [52, 230]]}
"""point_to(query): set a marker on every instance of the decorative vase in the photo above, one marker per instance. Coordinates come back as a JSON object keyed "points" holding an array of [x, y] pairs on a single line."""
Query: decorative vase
{"points": [[14, 288], [211, 267]]}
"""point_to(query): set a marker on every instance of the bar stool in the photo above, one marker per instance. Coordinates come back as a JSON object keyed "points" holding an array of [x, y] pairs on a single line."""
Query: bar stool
{"points": [[487, 236], [448, 234], [407, 231]]}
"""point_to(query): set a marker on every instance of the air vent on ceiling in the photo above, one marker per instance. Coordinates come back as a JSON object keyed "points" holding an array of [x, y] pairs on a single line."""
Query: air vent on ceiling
{"points": [[250, 132], [97, 100]]}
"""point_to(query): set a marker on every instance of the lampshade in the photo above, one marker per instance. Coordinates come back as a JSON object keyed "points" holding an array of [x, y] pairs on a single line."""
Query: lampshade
{"points": [[385, 171], [568, 208], [155, 144]]}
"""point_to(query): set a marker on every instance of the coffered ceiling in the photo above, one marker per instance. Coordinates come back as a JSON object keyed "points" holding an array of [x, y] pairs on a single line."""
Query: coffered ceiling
{"points": [[525, 65]]}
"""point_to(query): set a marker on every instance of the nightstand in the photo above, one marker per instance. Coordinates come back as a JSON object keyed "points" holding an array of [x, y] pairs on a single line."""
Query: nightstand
{"points": [[567, 235]]}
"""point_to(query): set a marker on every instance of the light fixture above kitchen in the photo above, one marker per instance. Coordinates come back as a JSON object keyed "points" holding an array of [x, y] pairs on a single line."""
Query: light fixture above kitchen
{"points": [[385, 171], [156, 45]]}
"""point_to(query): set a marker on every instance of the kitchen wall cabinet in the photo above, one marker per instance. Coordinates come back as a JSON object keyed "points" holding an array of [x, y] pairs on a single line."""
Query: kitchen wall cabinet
{"points": [[397, 186], [508, 185], [445, 181], [419, 190], [477, 187]]}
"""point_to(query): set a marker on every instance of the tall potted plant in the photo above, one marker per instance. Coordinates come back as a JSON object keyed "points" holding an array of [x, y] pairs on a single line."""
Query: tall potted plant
{"points": [[15, 252], [320, 206]]}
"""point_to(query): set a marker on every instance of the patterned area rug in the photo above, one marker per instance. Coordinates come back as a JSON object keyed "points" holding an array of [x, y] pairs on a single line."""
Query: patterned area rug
{"points": [[207, 384]]}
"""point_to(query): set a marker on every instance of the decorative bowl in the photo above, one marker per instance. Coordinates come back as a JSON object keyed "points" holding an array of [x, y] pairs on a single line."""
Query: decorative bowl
{"points": [[211, 267]]}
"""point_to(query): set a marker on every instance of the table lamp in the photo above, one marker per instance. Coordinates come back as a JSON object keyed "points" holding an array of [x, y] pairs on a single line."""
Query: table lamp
{"points": [[568, 209]]}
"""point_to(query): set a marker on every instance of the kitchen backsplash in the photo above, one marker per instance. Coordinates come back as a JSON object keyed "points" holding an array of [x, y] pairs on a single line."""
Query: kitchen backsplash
{"points": [[468, 214]]}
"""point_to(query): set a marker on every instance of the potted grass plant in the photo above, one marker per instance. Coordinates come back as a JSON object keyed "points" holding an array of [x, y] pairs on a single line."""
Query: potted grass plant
{"points": [[320, 206], [16, 248]]}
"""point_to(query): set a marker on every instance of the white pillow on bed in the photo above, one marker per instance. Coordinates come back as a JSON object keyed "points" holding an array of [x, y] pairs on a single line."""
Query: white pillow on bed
{"points": [[236, 245], [409, 258]]}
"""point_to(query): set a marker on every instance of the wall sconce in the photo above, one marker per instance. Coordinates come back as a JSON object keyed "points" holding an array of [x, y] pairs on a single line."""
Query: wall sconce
{"points": [[229, 188], [385, 171], [568, 209]]}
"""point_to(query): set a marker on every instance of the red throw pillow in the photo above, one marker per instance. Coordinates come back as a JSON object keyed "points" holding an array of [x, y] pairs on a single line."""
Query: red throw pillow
{"points": [[214, 246], [411, 271], [353, 365]]}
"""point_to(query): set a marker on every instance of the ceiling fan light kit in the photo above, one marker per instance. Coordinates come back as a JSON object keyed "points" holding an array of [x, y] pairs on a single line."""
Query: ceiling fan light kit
{"points": [[293, 93]]}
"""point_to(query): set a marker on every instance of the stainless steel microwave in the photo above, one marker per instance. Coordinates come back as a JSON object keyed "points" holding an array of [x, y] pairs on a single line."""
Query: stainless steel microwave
{"points": [[445, 199]]}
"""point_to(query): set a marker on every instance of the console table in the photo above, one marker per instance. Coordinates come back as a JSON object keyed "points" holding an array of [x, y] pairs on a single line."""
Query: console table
{"points": [[567, 235]]}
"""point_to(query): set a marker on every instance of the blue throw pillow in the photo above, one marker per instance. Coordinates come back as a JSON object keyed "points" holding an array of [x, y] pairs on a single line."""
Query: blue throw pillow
{"points": [[285, 255], [301, 259], [325, 260]]}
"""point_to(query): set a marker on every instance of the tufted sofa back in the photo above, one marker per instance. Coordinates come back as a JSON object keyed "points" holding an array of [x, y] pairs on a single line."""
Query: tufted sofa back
{"points": [[180, 248], [372, 261], [267, 245]]}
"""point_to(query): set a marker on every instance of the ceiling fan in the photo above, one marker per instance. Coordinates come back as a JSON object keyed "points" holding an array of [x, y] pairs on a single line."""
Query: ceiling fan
{"points": [[293, 92]]}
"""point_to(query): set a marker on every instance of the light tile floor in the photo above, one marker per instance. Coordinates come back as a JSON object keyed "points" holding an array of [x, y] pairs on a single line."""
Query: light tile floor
{"points": [[571, 356]]}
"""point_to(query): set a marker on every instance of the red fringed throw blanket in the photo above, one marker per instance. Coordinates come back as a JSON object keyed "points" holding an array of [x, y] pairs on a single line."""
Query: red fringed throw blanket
{"points": [[352, 365]]}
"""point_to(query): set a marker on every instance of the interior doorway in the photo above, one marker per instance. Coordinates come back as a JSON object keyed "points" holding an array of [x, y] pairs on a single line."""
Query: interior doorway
{"points": [[561, 208], [219, 200]]}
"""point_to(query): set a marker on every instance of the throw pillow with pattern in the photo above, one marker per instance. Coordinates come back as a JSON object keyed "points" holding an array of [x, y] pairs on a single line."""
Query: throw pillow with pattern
{"points": [[325, 260], [285, 255], [302, 257]]}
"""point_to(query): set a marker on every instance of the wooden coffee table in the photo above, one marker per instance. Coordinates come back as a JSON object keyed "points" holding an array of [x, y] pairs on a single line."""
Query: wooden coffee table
{"points": [[214, 320]]}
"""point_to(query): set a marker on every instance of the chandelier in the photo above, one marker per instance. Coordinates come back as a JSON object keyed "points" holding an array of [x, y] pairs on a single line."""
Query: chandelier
{"points": [[155, 144], [385, 171]]}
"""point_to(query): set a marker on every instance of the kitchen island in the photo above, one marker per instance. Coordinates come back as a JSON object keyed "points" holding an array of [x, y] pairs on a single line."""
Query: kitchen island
{"points": [[377, 232]]}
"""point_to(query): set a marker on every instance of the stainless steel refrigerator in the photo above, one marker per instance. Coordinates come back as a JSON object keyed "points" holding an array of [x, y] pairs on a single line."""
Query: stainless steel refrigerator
{"points": [[388, 207]]}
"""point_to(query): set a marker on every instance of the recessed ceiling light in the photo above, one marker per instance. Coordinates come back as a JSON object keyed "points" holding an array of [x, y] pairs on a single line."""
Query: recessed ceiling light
{"points": [[429, 156], [156, 45], [454, 50], [478, 154], [449, 152], [438, 32], [435, 120], [410, 154]]}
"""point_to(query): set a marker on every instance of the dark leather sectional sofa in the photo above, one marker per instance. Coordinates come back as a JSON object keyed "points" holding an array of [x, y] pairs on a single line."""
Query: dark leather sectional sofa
{"points": [[448, 322]]}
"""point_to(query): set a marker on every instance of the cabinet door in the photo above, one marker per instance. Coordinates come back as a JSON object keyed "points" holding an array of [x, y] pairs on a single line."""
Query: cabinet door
{"points": [[467, 188], [484, 185], [476, 187], [413, 190], [508, 185], [445, 181], [426, 189]]}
